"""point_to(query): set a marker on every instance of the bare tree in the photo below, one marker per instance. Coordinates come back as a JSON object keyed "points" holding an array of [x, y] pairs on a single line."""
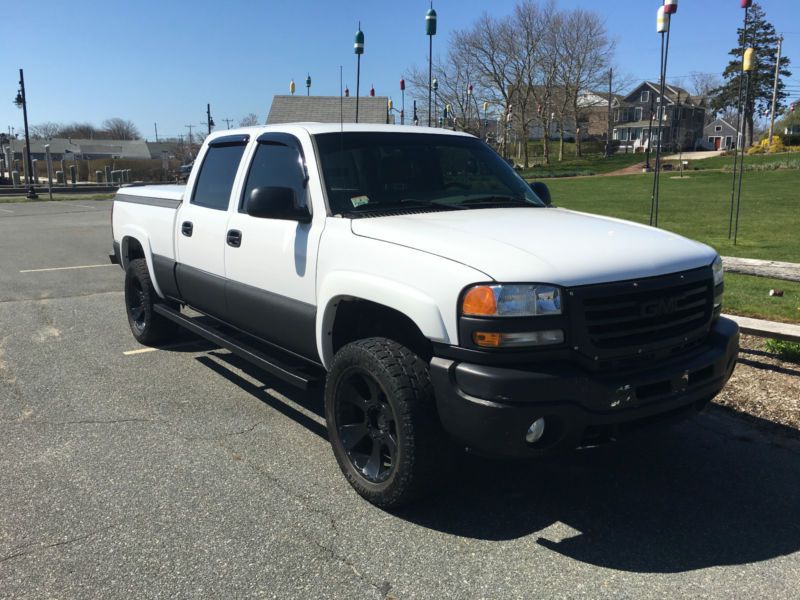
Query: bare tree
{"points": [[46, 130], [535, 67], [249, 120], [85, 131], [584, 52], [454, 76], [485, 46], [705, 85], [121, 129]]}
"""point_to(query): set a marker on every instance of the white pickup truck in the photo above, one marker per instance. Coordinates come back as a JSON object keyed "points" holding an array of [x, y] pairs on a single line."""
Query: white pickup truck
{"points": [[435, 293]]}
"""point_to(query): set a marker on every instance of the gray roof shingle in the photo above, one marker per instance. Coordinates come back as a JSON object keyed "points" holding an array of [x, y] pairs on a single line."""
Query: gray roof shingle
{"points": [[327, 109]]}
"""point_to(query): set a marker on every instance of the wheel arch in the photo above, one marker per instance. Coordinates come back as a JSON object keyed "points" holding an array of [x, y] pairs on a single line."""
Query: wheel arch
{"points": [[135, 243], [368, 305]]}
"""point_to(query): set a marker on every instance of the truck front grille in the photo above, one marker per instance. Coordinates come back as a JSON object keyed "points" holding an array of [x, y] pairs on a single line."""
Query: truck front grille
{"points": [[632, 317]]}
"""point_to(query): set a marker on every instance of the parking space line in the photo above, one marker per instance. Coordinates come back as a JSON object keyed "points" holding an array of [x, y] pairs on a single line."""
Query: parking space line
{"points": [[198, 342], [82, 206], [66, 268], [139, 351], [6, 210]]}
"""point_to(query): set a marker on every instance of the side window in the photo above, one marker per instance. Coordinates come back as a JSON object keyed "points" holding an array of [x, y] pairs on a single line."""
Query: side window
{"points": [[214, 183], [276, 165]]}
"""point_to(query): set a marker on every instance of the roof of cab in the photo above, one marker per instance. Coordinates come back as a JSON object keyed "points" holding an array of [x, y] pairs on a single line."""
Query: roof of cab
{"points": [[320, 128]]}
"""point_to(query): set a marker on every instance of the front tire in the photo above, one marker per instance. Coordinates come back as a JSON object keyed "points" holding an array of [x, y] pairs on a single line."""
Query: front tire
{"points": [[148, 327], [382, 421]]}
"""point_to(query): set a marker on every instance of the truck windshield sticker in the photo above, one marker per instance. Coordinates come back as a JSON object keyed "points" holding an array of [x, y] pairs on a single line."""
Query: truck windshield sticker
{"points": [[359, 200]]}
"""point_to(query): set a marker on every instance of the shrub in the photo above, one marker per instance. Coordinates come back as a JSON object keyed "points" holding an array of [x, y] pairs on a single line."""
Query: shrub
{"points": [[786, 350]]}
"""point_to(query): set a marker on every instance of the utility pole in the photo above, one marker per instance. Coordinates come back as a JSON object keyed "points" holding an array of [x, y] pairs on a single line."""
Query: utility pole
{"points": [[209, 120], [155, 125], [775, 90], [608, 132], [190, 141], [228, 122]]}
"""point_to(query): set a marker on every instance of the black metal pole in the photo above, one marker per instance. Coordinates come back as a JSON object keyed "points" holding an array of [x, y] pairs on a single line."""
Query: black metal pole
{"points": [[29, 166], [608, 132], [358, 81], [430, 75], [738, 122], [663, 113], [650, 133], [208, 117], [659, 115], [741, 167]]}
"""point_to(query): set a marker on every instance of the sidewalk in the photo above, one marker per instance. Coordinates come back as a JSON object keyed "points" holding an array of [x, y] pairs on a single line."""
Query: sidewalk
{"points": [[762, 268]]}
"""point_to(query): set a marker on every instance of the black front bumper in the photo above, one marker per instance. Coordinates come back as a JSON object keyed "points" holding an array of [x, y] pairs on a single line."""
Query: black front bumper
{"points": [[489, 408]]}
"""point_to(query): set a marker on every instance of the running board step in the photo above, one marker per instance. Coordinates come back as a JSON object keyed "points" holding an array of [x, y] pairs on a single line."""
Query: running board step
{"points": [[274, 366]]}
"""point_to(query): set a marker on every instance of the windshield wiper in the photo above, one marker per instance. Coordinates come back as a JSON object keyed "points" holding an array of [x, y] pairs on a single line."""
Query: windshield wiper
{"points": [[496, 200], [405, 203]]}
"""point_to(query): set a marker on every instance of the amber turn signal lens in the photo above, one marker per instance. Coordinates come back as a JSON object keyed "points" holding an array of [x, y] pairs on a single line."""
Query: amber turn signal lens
{"points": [[486, 340], [479, 301]]}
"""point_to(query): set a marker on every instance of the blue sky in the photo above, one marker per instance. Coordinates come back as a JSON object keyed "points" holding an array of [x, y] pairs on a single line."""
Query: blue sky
{"points": [[162, 61]]}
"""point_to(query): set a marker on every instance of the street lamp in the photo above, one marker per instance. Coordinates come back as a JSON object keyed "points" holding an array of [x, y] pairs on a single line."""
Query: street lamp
{"points": [[430, 31], [22, 102], [358, 48], [308, 85]]}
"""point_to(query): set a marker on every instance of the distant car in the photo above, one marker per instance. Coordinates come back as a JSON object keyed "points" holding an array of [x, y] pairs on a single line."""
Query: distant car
{"points": [[183, 172]]}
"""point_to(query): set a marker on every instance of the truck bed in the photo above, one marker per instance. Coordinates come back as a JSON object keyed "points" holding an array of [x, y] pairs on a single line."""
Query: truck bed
{"points": [[149, 212]]}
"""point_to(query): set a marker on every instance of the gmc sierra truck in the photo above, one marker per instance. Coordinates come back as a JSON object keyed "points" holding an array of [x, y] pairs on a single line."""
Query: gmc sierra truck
{"points": [[434, 293]]}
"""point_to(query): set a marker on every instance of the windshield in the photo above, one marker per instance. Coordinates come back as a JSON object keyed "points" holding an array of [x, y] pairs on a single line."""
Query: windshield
{"points": [[369, 173]]}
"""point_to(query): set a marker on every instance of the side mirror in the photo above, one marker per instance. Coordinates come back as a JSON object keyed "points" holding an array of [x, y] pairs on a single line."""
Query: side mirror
{"points": [[270, 202], [541, 190]]}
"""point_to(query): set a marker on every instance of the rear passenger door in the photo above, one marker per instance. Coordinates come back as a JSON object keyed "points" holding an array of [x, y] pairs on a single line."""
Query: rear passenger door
{"points": [[202, 223]]}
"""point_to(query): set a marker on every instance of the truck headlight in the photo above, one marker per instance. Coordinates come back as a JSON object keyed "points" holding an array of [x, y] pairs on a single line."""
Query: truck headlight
{"points": [[717, 269], [719, 287], [511, 300]]}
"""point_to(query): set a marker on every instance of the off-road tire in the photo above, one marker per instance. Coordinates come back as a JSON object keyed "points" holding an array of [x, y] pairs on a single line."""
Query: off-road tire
{"points": [[403, 384], [148, 327]]}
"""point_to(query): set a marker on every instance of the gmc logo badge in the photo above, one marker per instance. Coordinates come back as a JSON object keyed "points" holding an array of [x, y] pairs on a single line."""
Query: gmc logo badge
{"points": [[657, 308]]}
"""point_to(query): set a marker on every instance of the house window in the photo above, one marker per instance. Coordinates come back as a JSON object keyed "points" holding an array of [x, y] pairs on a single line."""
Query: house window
{"points": [[638, 113], [644, 96], [615, 135], [710, 140], [616, 116], [718, 128]]}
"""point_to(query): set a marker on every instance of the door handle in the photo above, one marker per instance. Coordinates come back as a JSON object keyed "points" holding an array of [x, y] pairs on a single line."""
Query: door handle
{"points": [[234, 238], [187, 228]]}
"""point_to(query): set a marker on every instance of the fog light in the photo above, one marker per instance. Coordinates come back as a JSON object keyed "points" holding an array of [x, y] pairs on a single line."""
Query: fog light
{"points": [[535, 431]]}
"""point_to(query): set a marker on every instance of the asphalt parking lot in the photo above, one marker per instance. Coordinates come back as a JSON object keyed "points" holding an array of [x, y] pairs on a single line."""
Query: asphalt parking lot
{"points": [[136, 473]]}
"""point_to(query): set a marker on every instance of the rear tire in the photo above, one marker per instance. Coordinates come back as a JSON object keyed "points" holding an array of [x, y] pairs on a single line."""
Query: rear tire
{"points": [[148, 327], [382, 421]]}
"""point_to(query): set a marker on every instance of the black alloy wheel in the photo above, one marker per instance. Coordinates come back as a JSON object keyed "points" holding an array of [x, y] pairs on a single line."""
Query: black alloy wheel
{"points": [[366, 425]]}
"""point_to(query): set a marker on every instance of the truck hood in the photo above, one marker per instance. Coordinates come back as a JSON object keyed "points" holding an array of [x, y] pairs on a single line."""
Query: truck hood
{"points": [[544, 245]]}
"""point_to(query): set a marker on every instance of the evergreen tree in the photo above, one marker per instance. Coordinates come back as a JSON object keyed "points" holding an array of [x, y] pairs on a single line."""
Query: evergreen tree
{"points": [[761, 36]]}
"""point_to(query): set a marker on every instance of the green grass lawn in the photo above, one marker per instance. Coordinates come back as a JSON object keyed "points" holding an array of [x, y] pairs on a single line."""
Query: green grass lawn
{"points": [[594, 164], [749, 296], [697, 206], [44, 197]]}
